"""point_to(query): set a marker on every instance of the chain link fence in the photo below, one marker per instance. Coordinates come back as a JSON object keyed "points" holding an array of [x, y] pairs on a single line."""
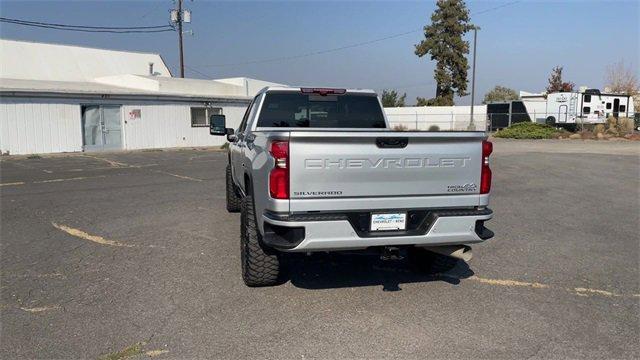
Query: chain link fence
{"points": [[496, 121], [438, 122]]}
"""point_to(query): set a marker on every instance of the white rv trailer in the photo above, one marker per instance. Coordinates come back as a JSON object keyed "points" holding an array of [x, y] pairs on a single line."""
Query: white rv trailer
{"points": [[588, 107], [564, 109]]}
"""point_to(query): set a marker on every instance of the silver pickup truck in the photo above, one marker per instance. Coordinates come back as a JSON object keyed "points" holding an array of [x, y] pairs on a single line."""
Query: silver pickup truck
{"points": [[318, 169]]}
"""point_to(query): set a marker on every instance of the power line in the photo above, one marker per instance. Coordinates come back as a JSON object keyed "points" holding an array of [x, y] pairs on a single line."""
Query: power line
{"points": [[87, 26], [496, 7], [395, 87], [319, 52], [84, 28], [198, 72], [94, 31]]}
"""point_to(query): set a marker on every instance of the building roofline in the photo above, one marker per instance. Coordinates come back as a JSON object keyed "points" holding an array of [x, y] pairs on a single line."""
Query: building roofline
{"points": [[165, 65], [12, 87], [121, 96], [86, 47]]}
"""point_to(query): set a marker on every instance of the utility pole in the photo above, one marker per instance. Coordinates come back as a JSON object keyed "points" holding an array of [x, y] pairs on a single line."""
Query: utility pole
{"points": [[179, 16], [473, 74], [180, 39]]}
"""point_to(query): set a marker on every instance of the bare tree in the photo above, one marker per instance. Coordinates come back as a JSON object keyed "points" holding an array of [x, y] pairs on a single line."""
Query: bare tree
{"points": [[621, 79]]}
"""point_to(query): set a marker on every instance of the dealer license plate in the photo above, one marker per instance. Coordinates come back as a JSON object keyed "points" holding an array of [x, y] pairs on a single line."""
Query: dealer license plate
{"points": [[381, 222]]}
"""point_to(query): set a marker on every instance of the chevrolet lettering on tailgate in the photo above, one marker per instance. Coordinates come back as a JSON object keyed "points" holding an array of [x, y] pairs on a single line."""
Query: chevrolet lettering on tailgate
{"points": [[386, 163]]}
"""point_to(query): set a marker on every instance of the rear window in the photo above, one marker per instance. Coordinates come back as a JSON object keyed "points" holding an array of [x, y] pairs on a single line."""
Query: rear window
{"points": [[317, 111]]}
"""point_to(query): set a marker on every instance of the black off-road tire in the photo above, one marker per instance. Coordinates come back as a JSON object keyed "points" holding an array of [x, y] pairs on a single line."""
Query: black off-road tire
{"points": [[260, 265], [233, 200], [423, 260]]}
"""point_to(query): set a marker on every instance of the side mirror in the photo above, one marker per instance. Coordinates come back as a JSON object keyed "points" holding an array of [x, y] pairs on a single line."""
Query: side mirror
{"points": [[217, 125], [231, 136]]}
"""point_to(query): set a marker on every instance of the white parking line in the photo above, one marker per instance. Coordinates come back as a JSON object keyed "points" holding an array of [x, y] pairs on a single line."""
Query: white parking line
{"points": [[13, 183], [178, 176], [580, 291], [68, 179], [534, 285], [110, 162], [41, 308]]}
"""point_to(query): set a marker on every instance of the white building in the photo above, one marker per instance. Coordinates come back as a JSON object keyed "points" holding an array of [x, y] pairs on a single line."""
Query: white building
{"points": [[444, 117], [59, 98]]}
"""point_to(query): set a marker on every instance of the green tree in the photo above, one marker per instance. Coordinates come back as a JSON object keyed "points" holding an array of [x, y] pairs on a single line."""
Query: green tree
{"points": [[422, 101], [500, 93], [556, 84], [443, 42], [432, 102], [391, 98]]}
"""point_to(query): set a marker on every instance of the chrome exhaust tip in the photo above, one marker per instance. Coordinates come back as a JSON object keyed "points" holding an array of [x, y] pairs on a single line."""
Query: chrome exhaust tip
{"points": [[462, 252]]}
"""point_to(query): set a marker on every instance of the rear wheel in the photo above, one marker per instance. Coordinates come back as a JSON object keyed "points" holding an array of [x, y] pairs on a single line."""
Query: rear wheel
{"points": [[550, 121], [233, 200], [423, 260], [260, 265]]}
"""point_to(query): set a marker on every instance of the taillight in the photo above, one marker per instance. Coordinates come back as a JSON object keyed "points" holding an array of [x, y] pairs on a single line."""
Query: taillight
{"points": [[279, 176], [485, 174]]}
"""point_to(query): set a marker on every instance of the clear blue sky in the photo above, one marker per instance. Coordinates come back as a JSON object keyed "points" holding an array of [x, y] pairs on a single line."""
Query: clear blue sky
{"points": [[517, 46]]}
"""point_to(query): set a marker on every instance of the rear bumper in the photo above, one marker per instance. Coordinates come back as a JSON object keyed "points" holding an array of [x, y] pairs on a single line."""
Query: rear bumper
{"points": [[335, 232]]}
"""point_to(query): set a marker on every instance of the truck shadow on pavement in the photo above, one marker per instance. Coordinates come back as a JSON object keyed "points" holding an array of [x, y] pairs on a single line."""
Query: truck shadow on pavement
{"points": [[340, 270]]}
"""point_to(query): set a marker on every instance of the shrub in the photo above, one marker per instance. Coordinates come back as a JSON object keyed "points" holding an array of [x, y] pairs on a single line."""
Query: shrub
{"points": [[400, 127], [620, 126], [527, 130], [599, 128], [625, 125], [434, 128]]}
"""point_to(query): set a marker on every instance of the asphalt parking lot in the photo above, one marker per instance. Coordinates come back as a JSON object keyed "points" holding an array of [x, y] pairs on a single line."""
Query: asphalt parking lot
{"points": [[102, 253]]}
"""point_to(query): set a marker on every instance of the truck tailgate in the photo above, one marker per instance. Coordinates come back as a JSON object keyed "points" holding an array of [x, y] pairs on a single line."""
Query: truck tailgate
{"points": [[374, 164]]}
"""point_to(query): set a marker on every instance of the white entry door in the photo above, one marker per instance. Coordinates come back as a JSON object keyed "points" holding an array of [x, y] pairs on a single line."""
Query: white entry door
{"points": [[562, 116]]}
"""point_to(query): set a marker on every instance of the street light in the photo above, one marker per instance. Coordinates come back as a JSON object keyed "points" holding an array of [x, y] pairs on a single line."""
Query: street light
{"points": [[473, 76]]}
